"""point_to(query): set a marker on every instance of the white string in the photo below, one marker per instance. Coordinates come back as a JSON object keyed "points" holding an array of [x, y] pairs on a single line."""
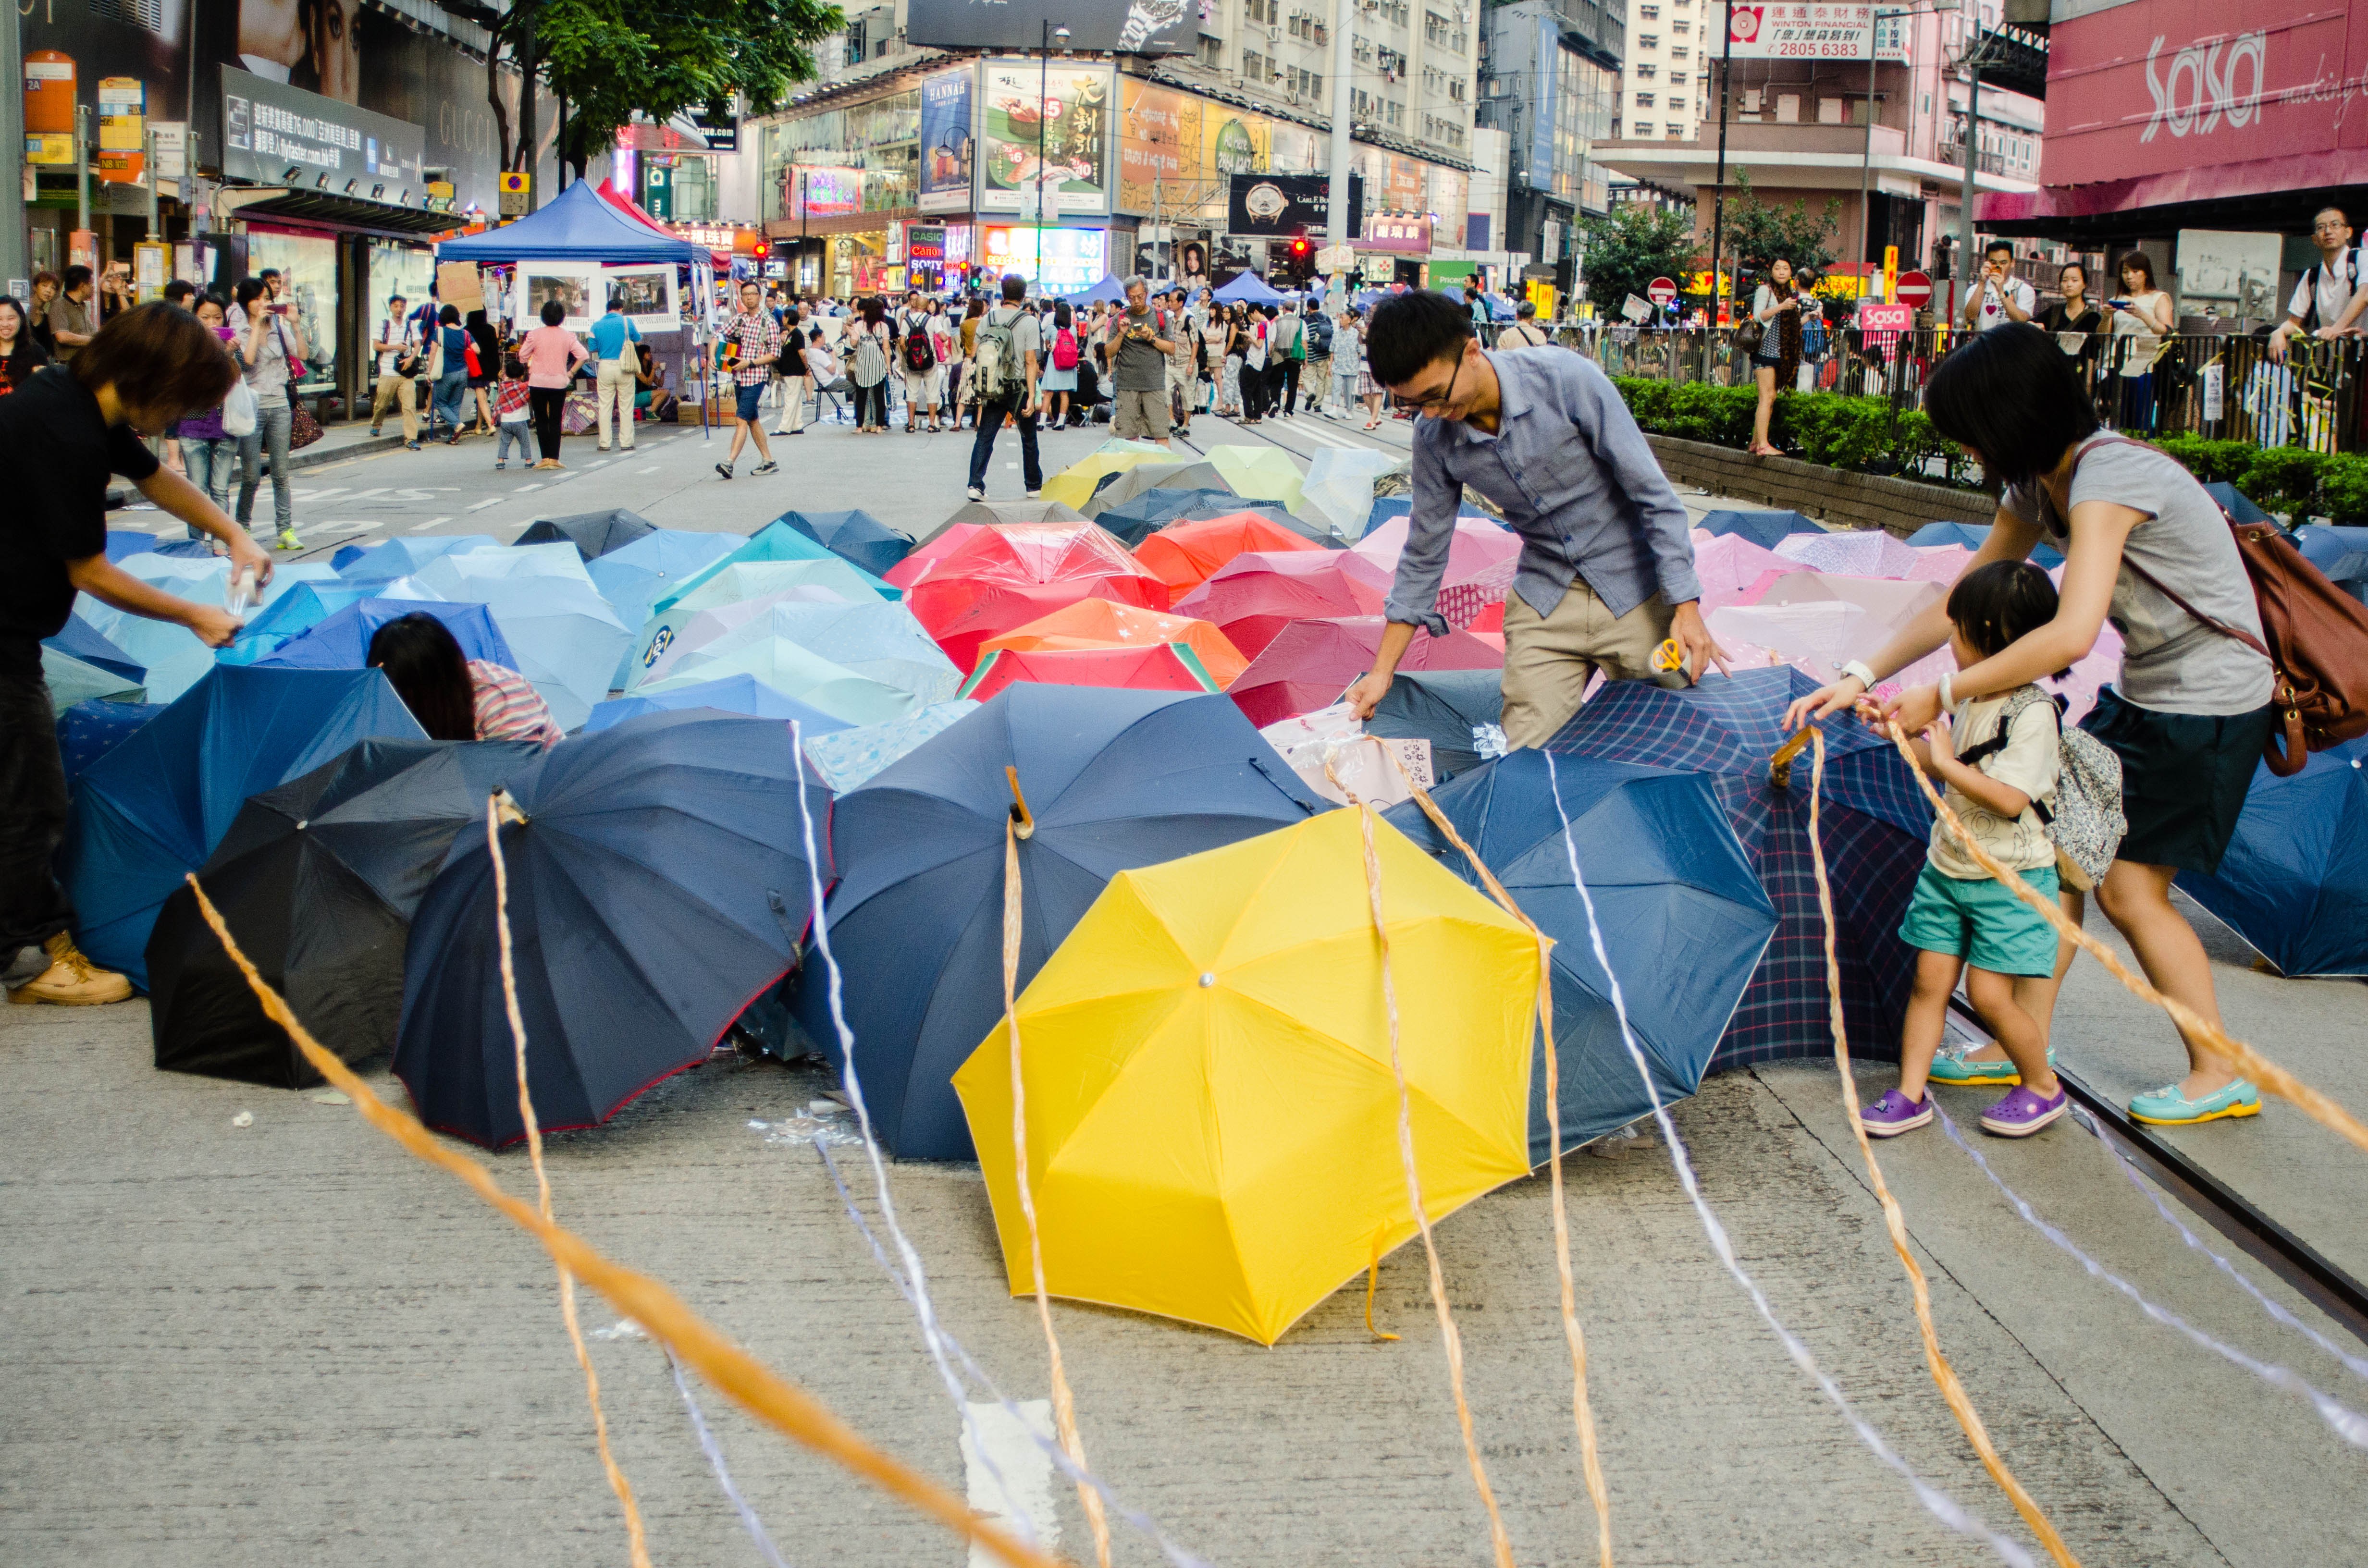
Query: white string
{"points": [[2349, 1424], [1938, 1503], [923, 1308], [1142, 1522], [714, 1452], [2358, 1366]]}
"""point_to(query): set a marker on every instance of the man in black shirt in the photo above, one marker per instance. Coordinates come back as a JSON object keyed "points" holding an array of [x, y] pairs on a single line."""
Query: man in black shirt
{"points": [[62, 432]]}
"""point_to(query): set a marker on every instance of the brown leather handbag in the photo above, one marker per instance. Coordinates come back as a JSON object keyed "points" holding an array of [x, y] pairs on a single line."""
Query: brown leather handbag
{"points": [[2317, 642]]}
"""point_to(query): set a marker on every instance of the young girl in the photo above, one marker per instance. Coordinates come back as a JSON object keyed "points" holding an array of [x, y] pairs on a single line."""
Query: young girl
{"points": [[1996, 774], [512, 412]]}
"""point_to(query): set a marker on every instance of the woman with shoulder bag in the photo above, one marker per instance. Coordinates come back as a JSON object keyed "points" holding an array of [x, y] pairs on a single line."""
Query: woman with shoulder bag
{"points": [[2190, 713], [271, 345], [1776, 355]]}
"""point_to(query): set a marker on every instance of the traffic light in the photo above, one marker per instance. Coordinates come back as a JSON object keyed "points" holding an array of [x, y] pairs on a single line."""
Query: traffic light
{"points": [[763, 249], [1301, 264]]}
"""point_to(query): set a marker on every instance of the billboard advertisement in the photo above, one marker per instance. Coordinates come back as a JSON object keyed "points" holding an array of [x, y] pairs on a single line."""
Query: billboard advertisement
{"points": [[276, 134], [1235, 143], [1047, 130], [947, 140], [1063, 261], [1158, 149], [1280, 205], [1097, 27], [1811, 30]]}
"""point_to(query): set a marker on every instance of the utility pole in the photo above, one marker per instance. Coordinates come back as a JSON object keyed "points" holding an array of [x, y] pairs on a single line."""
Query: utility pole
{"points": [[14, 259], [1718, 197], [1965, 258], [1336, 229], [526, 159], [82, 167]]}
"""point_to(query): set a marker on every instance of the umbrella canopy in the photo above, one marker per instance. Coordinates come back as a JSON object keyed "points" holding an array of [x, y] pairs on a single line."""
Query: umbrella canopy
{"points": [[1443, 706], [727, 694], [1483, 558], [2295, 880], [154, 807], [1262, 474], [594, 534], [1684, 920], [342, 642], [1311, 662], [1101, 623], [71, 682], [797, 672], [656, 886], [924, 558], [1115, 780], [776, 541], [80, 640], [1727, 564], [575, 225], [633, 577], [452, 572], [1136, 519], [318, 880], [1973, 536], [880, 642], [1256, 594], [170, 653], [296, 612], [1856, 552], [124, 543], [1939, 564], [1875, 825], [1212, 1113], [1338, 491], [1037, 511], [2236, 503], [1763, 528], [1158, 667], [1074, 484], [856, 537], [1248, 287], [566, 638], [394, 558], [846, 758], [89, 730], [1005, 577], [707, 626], [1186, 554], [1197, 474], [751, 588], [2340, 552]]}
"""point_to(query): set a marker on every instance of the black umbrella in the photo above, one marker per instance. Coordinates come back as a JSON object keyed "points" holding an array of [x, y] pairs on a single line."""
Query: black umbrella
{"points": [[594, 534], [317, 879], [657, 885], [1443, 706]]}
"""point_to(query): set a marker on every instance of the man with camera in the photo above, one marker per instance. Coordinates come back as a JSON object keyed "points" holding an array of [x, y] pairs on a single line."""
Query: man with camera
{"points": [[1998, 296], [398, 360]]}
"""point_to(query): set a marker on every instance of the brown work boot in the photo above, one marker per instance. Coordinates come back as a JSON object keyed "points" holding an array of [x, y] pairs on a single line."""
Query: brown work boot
{"points": [[72, 979]]}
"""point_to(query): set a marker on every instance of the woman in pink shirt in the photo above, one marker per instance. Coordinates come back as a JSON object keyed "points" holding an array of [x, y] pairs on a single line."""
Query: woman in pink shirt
{"points": [[552, 354]]}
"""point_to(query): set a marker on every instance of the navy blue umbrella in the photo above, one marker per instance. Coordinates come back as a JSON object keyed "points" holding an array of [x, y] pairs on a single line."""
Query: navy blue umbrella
{"points": [[2295, 880], [1115, 780], [1443, 706], [1763, 529], [317, 879], [2340, 551], [2235, 502], [89, 730], [342, 642], [657, 885], [1876, 827], [1138, 517], [1683, 918], [856, 537], [594, 534], [1973, 536], [78, 638]]}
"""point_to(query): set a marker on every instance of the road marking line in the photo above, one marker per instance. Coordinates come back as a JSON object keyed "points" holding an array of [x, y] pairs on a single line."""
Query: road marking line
{"points": [[317, 494], [493, 501], [366, 494], [1021, 1460], [524, 488], [652, 469]]}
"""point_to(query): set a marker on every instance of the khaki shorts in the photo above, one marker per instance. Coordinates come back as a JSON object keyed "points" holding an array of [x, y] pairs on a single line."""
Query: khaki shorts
{"points": [[1550, 659], [1139, 415]]}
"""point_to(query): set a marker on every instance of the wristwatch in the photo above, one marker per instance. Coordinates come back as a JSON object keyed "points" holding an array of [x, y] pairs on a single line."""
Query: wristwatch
{"points": [[1856, 669]]}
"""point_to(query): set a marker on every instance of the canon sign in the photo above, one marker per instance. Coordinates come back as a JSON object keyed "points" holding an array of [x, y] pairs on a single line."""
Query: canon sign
{"points": [[2205, 84]]}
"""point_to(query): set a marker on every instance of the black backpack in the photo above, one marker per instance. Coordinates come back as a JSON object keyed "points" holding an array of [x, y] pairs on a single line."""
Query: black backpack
{"points": [[919, 358]]}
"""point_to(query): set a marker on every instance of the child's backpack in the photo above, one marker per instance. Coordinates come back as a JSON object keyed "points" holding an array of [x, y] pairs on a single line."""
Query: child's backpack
{"points": [[2086, 823], [1064, 350]]}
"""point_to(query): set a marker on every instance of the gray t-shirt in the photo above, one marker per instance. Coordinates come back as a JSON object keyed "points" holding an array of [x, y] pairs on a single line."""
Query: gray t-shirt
{"points": [[1026, 338], [268, 375], [2170, 662], [1141, 366]]}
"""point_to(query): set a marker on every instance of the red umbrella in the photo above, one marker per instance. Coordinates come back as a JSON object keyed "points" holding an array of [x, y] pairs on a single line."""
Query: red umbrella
{"points": [[1258, 593], [1005, 577], [1161, 666], [923, 558], [1312, 662], [1186, 554]]}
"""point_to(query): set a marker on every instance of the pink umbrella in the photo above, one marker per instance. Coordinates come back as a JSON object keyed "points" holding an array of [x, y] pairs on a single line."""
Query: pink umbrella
{"points": [[1258, 593], [1479, 543], [1312, 662], [1858, 553], [915, 566], [1938, 562], [1727, 564]]}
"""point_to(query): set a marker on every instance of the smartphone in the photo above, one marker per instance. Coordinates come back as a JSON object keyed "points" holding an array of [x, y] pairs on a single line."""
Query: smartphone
{"points": [[2121, 303]]}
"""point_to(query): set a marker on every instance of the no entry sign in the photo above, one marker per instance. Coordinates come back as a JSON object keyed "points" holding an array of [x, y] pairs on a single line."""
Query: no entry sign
{"points": [[1915, 291], [1661, 290]]}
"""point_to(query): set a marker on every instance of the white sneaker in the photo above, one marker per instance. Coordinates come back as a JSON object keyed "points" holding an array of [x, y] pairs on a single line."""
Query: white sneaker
{"points": [[977, 491]]}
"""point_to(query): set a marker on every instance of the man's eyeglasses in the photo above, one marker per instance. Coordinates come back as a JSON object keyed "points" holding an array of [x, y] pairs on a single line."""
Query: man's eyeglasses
{"points": [[1408, 407]]}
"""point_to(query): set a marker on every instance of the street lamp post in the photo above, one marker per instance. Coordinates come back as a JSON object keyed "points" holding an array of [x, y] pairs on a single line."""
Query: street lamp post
{"points": [[1050, 36]]}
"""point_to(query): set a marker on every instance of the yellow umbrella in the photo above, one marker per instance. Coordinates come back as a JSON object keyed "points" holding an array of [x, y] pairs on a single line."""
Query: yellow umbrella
{"points": [[1212, 1116], [1073, 485], [1264, 474]]}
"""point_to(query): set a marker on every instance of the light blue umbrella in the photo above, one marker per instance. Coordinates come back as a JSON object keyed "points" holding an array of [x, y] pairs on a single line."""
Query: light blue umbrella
{"points": [[775, 541], [804, 676], [71, 681], [881, 641], [731, 694], [706, 625], [566, 637], [78, 639], [401, 557], [450, 573], [846, 758], [170, 653], [1248, 287], [1338, 494], [746, 580], [342, 642], [635, 576], [290, 615]]}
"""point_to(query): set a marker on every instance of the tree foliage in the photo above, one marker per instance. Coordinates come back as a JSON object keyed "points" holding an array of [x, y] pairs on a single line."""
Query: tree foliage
{"points": [[1759, 232], [611, 59], [1635, 243]]}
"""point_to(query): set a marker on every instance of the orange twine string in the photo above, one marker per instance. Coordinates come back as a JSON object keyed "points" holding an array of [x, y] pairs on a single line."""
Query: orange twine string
{"points": [[1065, 1406], [735, 1373], [2248, 1061], [1943, 1375]]}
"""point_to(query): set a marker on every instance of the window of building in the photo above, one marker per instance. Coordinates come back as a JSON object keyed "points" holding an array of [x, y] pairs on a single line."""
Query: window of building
{"points": [[1253, 66], [1643, 100], [1267, 11], [1647, 71], [1648, 40], [1213, 53], [1649, 13], [1643, 128], [1676, 134], [1393, 11], [1681, 52], [1448, 35]]}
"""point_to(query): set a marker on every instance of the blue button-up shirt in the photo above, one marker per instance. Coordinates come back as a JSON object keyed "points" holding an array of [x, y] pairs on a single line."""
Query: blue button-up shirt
{"points": [[1577, 481]]}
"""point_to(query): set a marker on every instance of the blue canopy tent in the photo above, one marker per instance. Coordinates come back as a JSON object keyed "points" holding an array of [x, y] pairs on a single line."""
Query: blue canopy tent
{"points": [[576, 226], [1248, 288], [1109, 291]]}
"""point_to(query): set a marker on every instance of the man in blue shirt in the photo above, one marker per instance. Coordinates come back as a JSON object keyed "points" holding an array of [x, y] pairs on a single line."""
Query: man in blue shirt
{"points": [[613, 337], [1605, 571]]}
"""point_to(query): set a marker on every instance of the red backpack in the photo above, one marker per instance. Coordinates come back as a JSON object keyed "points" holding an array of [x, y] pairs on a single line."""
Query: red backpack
{"points": [[1064, 350]]}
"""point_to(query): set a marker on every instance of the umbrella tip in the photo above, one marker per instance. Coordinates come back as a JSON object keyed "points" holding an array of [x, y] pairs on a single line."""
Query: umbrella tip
{"points": [[1024, 823], [1780, 766], [506, 807]]}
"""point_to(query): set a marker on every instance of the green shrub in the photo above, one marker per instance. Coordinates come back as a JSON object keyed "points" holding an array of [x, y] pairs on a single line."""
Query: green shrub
{"points": [[2211, 460], [2343, 490], [2281, 479]]}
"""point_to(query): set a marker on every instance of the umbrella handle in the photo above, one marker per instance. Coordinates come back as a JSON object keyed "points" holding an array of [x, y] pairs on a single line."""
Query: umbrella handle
{"points": [[1024, 821], [1780, 766]]}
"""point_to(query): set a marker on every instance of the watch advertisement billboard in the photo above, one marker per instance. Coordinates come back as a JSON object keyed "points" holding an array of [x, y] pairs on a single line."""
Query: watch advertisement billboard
{"points": [[1268, 206], [1045, 130], [946, 140], [1095, 27]]}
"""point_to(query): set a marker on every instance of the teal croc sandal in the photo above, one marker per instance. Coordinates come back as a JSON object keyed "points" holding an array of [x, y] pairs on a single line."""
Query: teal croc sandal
{"points": [[2167, 1107], [1952, 1067]]}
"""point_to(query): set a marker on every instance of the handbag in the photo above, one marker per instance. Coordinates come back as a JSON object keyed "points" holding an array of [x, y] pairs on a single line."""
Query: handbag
{"points": [[1749, 332], [2314, 635], [238, 411], [302, 429]]}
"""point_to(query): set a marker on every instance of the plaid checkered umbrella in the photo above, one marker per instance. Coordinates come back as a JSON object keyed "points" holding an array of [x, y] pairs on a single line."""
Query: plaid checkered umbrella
{"points": [[1875, 825]]}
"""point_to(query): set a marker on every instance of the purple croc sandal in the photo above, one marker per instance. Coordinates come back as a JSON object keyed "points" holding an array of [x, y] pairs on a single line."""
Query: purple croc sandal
{"points": [[1894, 1113], [2022, 1113]]}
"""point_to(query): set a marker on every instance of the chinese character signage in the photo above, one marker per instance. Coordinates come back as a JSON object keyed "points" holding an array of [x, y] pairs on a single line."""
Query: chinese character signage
{"points": [[276, 134], [1403, 231], [1810, 29], [1046, 130]]}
